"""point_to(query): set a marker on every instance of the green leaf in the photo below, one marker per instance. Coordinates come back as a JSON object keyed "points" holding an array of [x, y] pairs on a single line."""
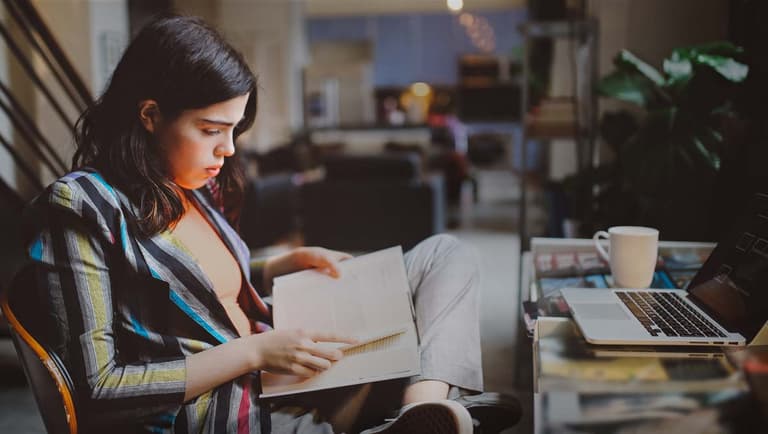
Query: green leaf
{"points": [[627, 61], [687, 158], [730, 69], [717, 48], [627, 86], [725, 109], [711, 136], [659, 122], [678, 69], [643, 159], [709, 157], [714, 142]]}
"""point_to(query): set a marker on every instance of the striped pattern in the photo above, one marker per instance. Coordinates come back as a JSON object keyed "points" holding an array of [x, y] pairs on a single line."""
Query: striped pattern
{"points": [[131, 309]]}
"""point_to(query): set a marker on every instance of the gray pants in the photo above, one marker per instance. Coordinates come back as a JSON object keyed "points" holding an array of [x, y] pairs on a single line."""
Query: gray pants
{"points": [[444, 279]]}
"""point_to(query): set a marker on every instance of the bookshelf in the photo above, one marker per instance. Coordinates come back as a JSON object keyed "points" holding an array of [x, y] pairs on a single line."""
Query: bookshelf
{"points": [[562, 117]]}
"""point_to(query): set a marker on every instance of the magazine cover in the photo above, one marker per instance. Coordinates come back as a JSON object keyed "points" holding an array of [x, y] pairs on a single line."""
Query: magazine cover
{"points": [[586, 269], [673, 413]]}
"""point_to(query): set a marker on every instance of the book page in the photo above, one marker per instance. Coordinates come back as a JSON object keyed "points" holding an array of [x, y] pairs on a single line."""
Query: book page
{"points": [[370, 301]]}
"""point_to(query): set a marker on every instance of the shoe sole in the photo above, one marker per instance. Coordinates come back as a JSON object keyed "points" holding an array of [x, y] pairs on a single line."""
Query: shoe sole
{"points": [[425, 419]]}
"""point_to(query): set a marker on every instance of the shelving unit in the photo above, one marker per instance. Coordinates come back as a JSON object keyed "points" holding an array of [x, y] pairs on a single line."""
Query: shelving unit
{"points": [[582, 127]]}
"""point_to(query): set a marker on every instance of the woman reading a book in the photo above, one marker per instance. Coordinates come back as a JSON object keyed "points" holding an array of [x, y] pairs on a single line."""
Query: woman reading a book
{"points": [[149, 285]]}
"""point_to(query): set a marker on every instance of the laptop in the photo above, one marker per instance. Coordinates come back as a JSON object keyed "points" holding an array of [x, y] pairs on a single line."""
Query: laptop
{"points": [[725, 304]]}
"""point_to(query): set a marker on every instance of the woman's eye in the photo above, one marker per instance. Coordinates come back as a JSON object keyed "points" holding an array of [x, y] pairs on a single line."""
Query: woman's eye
{"points": [[212, 132]]}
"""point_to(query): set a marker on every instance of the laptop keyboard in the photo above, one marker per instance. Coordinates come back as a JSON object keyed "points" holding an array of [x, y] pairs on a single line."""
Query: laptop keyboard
{"points": [[667, 313]]}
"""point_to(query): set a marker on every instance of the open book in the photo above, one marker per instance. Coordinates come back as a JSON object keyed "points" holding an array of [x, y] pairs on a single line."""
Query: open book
{"points": [[371, 301]]}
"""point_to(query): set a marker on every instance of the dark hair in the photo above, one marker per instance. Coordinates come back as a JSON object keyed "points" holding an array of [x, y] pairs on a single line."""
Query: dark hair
{"points": [[183, 64]]}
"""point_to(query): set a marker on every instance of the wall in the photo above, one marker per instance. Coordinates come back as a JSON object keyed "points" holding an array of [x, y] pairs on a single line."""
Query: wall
{"points": [[418, 46], [69, 21], [270, 35], [340, 77], [271, 38], [652, 28], [93, 34], [674, 24], [109, 37], [369, 7], [79, 26]]}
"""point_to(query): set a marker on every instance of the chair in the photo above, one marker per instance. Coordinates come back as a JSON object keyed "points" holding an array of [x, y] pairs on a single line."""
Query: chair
{"points": [[50, 382]]}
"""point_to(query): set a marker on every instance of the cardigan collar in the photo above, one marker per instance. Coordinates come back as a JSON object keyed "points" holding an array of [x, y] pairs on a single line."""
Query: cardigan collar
{"points": [[163, 257]]}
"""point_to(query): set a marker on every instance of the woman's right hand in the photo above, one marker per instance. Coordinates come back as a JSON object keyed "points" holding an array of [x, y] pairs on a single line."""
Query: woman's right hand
{"points": [[295, 352]]}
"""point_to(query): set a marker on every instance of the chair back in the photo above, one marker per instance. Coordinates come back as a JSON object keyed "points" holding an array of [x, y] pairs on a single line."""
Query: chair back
{"points": [[49, 380]]}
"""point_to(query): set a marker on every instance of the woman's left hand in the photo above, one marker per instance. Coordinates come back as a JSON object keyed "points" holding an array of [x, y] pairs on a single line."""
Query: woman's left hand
{"points": [[302, 258], [318, 257]]}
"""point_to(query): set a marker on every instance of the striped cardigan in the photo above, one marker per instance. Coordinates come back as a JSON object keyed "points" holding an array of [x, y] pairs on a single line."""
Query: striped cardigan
{"points": [[129, 309]]}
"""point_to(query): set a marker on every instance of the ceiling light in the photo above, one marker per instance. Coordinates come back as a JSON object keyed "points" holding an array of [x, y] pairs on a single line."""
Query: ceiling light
{"points": [[455, 5]]}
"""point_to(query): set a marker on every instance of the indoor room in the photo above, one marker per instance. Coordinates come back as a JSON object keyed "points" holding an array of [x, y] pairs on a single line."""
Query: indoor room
{"points": [[552, 140]]}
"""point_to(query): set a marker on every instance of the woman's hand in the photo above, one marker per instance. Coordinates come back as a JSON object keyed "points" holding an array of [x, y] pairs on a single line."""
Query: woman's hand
{"points": [[303, 258], [295, 352], [318, 257]]}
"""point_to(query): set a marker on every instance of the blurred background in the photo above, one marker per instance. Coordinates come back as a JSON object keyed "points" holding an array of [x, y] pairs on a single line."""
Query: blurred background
{"points": [[382, 122]]}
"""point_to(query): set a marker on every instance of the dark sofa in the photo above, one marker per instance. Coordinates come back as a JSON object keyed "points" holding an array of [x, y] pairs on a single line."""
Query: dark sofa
{"points": [[371, 202], [270, 209]]}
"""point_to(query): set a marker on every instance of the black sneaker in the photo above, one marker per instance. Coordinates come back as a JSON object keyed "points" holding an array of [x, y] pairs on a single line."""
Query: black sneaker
{"points": [[491, 412], [431, 417]]}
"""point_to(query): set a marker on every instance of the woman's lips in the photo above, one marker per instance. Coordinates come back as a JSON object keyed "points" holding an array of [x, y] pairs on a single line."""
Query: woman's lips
{"points": [[213, 171]]}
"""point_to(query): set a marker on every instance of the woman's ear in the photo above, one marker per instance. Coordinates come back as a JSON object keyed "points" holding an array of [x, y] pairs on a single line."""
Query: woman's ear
{"points": [[149, 114]]}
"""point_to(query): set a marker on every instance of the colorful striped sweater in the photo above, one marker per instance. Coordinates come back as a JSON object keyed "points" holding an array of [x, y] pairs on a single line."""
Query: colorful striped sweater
{"points": [[128, 310]]}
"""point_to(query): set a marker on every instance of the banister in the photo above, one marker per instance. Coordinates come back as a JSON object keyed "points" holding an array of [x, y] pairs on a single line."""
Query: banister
{"points": [[78, 99], [36, 21], [32, 74]]}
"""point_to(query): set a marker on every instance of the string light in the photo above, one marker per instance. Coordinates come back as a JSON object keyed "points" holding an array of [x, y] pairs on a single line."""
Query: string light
{"points": [[479, 31]]}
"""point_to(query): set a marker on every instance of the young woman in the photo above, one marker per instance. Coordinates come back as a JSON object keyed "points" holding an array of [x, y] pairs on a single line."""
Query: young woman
{"points": [[149, 284]]}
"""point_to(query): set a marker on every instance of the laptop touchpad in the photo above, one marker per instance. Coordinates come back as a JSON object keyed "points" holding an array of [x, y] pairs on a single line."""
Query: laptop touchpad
{"points": [[601, 311]]}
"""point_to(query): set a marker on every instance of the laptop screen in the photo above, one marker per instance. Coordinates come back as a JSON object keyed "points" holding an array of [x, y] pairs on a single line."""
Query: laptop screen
{"points": [[732, 285]]}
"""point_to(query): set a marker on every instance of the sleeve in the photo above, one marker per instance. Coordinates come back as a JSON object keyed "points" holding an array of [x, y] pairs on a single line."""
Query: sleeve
{"points": [[72, 251]]}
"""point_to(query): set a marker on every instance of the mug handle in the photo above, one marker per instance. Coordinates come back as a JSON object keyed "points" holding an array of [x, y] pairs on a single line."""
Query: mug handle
{"points": [[600, 249]]}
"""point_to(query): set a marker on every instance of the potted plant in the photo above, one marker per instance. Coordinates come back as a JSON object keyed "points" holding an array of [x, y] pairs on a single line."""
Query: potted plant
{"points": [[668, 152]]}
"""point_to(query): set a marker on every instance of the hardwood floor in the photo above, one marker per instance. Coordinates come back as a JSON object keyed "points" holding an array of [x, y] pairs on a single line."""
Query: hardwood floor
{"points": [[490, 226]]}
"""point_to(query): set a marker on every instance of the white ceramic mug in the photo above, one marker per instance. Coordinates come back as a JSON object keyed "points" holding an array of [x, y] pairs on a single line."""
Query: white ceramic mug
{"points": [[633, 251]]}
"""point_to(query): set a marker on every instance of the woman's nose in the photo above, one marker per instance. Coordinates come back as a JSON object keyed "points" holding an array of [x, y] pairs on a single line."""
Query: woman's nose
{"points": [[226, 149]]}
